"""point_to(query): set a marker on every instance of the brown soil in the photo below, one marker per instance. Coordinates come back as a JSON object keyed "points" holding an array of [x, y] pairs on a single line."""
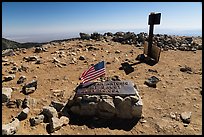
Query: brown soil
{"points": [[177, 91]]}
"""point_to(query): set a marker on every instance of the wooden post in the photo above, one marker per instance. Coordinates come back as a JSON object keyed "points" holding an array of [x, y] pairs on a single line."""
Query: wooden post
{"points": [[151, 29], [154, 18]]}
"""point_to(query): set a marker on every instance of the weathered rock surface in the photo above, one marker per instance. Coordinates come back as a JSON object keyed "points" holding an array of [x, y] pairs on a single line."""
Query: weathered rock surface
{"points": [[11, 128], [49, 112], [57, 123], [37, 120], [6, 94]]}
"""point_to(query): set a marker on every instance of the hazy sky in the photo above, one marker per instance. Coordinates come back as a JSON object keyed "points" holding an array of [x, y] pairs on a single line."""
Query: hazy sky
{"points": [[41, 21]]}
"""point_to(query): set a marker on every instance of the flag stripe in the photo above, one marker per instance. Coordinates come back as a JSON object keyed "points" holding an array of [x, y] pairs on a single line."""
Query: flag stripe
{"points": [[85, 72], [91, 78], [94, 74]]}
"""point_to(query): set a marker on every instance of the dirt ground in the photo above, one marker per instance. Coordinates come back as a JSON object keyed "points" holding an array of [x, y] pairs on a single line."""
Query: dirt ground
{"points": [[176, 92]]}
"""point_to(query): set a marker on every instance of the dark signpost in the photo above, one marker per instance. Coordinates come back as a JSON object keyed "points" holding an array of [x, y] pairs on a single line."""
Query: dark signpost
{"points": [[154, 19], [109, 88]]}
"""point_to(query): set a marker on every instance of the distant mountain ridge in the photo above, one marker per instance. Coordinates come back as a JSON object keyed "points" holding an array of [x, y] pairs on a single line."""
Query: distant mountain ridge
{"points": [[10, 44]]}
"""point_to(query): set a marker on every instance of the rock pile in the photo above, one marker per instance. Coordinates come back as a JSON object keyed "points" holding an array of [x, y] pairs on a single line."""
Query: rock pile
{"points": [[164, 41]]}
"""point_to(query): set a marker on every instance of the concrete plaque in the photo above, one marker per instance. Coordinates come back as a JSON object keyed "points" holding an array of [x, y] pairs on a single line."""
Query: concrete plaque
{"points": [[109, 87]]}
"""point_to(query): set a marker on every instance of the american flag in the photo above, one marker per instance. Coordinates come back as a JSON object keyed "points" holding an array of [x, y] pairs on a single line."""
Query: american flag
{"points": [[93, 72]]}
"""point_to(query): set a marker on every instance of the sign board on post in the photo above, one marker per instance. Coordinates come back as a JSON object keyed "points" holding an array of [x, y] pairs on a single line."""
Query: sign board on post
{"points": [[154, 18]]}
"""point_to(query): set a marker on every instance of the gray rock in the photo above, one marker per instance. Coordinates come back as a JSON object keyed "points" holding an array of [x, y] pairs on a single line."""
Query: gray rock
{"points": [[37, 120], [124, 109], [39, 61], [57, 105], [82, 58], [29, 87], [117, 100], [49, 112], [9, 77], [185, 116], [56, 123], [23, 114], [21, 79], [5, 60], [106, 108], [134, 99], [185, 69], [55, 60], [31, 58], [88, 109], [11, 128], [91, 98], [64, 120], [19, 103], [84, 36], [117, 51], [6, 94], [8, 52], [11, 104], [29, 90], [28, 102]]}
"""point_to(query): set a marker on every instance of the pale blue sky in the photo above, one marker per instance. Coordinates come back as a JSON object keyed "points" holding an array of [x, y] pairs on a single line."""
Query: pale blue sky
{"points": [[44, 21]]}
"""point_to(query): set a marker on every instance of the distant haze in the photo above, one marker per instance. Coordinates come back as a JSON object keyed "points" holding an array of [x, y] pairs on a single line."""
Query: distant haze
{"points": [[47, 21]]}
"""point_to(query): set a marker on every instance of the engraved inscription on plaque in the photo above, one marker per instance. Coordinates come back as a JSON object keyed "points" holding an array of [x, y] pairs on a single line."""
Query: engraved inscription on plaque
{"points": [[109, 87]]}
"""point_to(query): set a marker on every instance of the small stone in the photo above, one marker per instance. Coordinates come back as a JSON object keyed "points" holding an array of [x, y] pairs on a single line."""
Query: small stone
{"points": [[64, 120], [21, 79], [143, 121], [55, 124], [185, 116], [28, 102], [37, 120], [23, 115], [29, 87], [11, 104], [57, 105], [172, 115], [81, 58], [19, 103], [49, 112], [9, 77], [152, 81], [117, 51]]}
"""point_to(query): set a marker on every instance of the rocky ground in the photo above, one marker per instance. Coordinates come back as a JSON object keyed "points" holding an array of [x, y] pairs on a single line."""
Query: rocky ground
{"points": [[173, 107]]}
